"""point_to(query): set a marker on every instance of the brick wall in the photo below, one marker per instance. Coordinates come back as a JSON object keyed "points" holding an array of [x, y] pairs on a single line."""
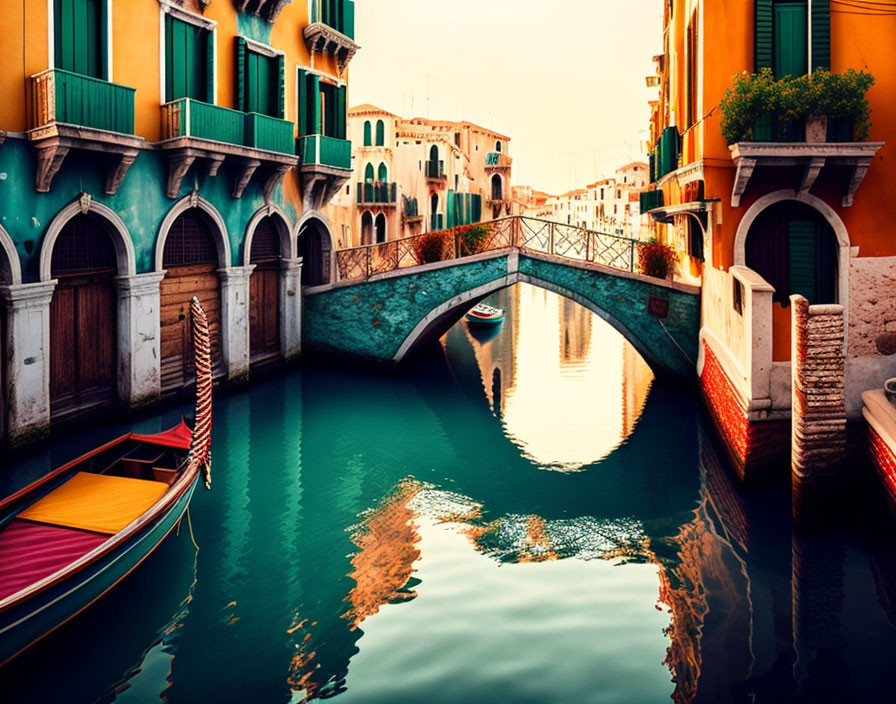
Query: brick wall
{"points": [[753, 446]]}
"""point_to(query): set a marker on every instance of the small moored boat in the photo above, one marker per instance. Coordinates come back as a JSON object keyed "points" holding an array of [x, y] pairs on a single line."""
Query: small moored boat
{"points": [[484, 314], [71, 536]]}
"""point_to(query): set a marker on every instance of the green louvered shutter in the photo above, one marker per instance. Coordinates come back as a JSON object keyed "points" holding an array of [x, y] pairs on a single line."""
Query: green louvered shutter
{"points": [[302, 106], [368, 141], [380, 133], [802, 259], [281, 86], [791, 39], [78, 36], [210, 67], [340, 112], [451, 210], [764, 33], [821, 34], [242, 97], [314, 80]]}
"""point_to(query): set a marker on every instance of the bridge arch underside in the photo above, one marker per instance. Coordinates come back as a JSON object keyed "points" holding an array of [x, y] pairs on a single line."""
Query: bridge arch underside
{"points": [[389, 319]]}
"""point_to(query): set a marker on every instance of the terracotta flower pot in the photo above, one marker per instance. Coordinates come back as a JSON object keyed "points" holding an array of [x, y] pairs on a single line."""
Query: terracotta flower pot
{"points": [[817, 129]]}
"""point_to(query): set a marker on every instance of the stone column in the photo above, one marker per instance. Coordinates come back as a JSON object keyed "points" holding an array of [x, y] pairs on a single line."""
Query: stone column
{"points": [[291, 308], [28, 361], [139, 379], [235, 321], [819, 401]]}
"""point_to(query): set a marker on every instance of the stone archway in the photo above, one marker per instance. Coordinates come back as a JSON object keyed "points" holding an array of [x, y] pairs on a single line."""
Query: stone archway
{"points": [[315, 247]]}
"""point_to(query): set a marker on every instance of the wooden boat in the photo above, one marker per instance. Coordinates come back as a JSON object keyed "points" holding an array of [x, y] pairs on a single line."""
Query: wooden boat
{"points": [[483, 314], [880, 414], [71, 536]]}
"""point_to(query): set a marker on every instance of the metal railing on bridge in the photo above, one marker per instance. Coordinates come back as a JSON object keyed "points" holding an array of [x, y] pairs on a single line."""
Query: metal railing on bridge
{"points": [[523, 233]]}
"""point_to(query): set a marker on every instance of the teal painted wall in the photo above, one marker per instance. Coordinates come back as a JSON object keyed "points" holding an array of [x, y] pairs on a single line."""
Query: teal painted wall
{"points": [[254, 27], [140, 202], [370, 320]]}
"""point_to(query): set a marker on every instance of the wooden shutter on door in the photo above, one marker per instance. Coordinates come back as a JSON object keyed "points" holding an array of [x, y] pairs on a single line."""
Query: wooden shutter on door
{"points": [[281, 86], [821, 34], [210, 67], [764, 34], [802, 258], [242, 51], [791, 39], [341, 132], [78, 36]]}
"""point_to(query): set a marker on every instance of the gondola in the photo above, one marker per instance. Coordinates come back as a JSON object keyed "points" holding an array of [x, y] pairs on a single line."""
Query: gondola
{"points": [[73, 535], [483, 314]]}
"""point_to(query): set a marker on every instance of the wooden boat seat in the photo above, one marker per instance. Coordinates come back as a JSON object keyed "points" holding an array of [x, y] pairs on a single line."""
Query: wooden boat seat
{"points": [[95, 502]]}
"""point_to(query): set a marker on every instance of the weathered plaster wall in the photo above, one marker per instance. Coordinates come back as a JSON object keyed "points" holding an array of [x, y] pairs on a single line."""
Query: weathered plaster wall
{"points": [[140, 202]]}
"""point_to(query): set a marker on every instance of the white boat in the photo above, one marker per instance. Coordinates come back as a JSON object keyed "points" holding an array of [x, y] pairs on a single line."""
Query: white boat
{"points": [[484, 314]]}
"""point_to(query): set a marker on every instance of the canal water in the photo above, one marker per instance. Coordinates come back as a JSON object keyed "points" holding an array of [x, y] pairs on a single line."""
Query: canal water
{"points": [[525, 516]]}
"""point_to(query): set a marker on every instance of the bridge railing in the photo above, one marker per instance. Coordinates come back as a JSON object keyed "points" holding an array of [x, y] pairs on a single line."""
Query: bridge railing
{"points": [[524, 233]]}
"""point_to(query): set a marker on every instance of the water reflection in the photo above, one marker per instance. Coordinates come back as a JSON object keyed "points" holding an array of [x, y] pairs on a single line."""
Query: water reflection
{"points": [[398, 540]]}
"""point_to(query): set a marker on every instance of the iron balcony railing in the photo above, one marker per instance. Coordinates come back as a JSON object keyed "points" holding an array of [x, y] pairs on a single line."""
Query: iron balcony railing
{"points": [[435, 169], [63, 96], [377, 193], [338, 14], [498, 160], [325, 151]]}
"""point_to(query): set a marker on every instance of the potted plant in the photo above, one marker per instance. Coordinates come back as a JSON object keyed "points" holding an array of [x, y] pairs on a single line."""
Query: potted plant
{"points": [[657, 259]]}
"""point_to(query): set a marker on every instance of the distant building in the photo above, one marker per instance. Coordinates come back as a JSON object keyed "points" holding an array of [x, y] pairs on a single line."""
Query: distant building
{"points": [[419, 175]]}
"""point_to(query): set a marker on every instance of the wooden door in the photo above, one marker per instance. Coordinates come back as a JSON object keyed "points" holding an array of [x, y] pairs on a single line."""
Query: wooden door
{"points": [[264, 293], [83, 318], [190, 260]]}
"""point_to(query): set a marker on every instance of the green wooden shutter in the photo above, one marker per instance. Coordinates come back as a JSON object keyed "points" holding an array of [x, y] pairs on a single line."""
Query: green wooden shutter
{"points": [[368, 174], [368, 141], [302, 100], [802, 243], [341, 131], [79, 34], [380, 133], [242, 98], [764, 34], [210, 67], [382, 173], [791, 39], [315, 103], [281, 86], [451, 210], [821, 34]]}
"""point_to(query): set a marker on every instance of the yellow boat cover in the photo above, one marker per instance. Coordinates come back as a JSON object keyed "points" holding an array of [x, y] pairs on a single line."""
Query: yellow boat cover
{"points": [[96, 502]]}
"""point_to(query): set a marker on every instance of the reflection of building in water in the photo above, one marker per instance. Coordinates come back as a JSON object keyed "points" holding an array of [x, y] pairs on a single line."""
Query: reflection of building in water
{"points": [[636, 381], [575, 331]]}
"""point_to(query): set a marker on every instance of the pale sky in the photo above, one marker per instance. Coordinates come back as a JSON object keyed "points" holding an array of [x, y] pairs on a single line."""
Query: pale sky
{"points": [[564, 79]]}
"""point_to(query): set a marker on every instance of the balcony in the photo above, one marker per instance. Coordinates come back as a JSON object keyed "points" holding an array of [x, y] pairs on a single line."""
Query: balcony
{"points": [[435, 171], [496, 161], [71, 111], [325, 166], [332, 31], [379, 194], [193, 129]]}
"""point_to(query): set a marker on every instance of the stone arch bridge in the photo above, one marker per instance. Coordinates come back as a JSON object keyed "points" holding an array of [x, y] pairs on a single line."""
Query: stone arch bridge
{"points": [[386, 303]]}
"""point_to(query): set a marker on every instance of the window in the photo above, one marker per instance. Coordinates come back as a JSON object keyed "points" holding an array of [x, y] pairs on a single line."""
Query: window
{"points": [[368, 140], [189, 61], [321, 107], [80, 36], [691, 77], [498, 147], [380, 133], [259, 77], [382, 173], [782, 31], [368, 174]]}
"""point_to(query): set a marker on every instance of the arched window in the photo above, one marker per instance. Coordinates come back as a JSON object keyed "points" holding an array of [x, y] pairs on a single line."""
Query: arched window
{"points": [[497, 188], [367, 140], [380, 228], [380, 133], [498, 146], [434, 154], [367, 228], [382, 173], [368, 174]]}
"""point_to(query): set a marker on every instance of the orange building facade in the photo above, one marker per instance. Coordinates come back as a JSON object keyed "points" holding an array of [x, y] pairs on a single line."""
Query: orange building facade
{"points": [[780, 212]]}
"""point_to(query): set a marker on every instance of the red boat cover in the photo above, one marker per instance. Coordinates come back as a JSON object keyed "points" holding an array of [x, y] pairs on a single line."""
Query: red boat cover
{"points": [[31, 551], [178, 437]]}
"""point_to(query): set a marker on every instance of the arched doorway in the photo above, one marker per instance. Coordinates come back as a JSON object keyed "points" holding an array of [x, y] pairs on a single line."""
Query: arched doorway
{"points": [[793, 247], [367, 228], [497, 187], [191, 261], [83, 317], [264, 292], [315, 247], [380, 228]]}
